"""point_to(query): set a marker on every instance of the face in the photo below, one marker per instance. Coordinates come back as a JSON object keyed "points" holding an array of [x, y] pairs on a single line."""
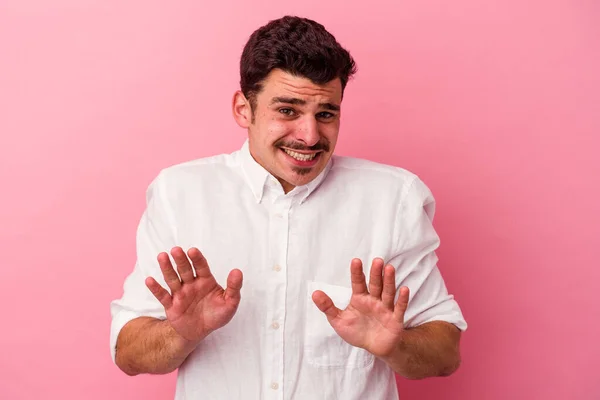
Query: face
{"points": [[295, 126]]}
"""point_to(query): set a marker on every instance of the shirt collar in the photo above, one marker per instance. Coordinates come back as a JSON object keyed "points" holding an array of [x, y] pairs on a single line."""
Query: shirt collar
{"points": [[257, 176]]}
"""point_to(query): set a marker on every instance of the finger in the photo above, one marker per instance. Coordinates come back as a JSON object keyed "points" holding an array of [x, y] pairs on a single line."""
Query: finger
{"points": [[401, 304], [159, 292], [357, 276], [389, 287], [168, 272], [183, 265], [325, 304], [234, 285], [200, 263], [375, 281]]}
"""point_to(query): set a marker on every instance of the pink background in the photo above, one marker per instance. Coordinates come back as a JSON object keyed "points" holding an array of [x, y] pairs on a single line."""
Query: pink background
{"points": [[495, 104]]}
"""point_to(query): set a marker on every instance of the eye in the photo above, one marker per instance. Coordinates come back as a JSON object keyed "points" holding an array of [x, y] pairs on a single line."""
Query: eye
{"points": [[325, 115], [287, 111]]}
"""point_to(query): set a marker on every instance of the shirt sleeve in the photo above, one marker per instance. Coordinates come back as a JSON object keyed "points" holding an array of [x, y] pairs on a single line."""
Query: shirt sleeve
{"points": [[155, 234], [416, 262]]}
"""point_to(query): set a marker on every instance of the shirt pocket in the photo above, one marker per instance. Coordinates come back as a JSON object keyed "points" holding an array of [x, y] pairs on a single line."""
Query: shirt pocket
{"points": [[324, 347]]}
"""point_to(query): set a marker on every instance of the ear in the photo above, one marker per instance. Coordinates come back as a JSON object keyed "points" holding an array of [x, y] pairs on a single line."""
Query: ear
{"points": [[242, 112]]}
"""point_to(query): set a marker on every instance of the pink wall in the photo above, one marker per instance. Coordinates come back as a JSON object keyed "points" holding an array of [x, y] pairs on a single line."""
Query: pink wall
{"points": [[494, 103]]}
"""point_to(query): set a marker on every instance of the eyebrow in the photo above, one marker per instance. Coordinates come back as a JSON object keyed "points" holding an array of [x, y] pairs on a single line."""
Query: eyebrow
{"points": [[296, 101]]}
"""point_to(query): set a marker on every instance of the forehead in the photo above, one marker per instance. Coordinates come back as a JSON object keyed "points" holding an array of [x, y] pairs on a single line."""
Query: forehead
{"points": [[280, 83]]}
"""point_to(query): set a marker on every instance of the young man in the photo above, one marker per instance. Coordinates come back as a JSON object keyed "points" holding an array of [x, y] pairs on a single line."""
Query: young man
{"points": [[302, 229]]}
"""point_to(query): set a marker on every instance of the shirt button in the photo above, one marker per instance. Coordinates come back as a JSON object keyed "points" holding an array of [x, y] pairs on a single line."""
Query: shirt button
{"points": [[275, 325], [277, 268], [274, 386], [278, 215]]}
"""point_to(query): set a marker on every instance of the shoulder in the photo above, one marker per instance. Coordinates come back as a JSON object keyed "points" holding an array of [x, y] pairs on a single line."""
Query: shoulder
{"points": [[400, 185], [371, 175], [200, 172], [206, 167], [353, 165]]}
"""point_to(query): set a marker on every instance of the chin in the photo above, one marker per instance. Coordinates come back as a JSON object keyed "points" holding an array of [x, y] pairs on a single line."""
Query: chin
{"points": [[303, 180]]}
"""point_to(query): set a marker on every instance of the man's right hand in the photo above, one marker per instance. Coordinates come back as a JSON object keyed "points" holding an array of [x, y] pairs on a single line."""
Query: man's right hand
{"points": [[197, 305]]}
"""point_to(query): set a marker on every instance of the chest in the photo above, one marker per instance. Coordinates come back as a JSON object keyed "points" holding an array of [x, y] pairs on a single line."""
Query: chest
{"points": [[300, 241]]}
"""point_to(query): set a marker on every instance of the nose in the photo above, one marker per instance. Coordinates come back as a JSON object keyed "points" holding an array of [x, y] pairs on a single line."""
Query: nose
{"points": [[308, 131]]}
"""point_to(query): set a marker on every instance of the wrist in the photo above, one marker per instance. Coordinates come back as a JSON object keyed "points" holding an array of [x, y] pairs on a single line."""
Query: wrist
{"points": [[399, 356], [180, 346]]}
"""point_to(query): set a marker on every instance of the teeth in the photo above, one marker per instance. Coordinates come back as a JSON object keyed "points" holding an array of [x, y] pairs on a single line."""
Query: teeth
{"points": [[300, 157]]}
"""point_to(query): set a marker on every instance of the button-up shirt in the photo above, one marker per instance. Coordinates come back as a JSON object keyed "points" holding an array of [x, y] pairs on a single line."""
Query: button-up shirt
{"points": [[279, 345]]}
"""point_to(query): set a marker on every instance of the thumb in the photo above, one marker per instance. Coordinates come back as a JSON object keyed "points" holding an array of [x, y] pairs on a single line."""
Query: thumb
{"points": [[325, 304], [234, 285]]}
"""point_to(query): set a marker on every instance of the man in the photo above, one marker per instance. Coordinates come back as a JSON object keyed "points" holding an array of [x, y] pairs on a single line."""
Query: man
{"points": [[302, 230]]}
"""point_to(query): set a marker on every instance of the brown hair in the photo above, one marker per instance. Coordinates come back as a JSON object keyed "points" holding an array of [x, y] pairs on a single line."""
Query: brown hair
{"points": [[298, 46]]}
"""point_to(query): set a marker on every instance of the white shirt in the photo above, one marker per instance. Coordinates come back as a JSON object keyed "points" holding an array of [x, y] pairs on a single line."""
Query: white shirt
{"points": [[279, 345]]}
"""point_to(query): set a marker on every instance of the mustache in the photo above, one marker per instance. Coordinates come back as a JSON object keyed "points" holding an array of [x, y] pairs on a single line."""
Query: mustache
{"points": [[323, 145]]}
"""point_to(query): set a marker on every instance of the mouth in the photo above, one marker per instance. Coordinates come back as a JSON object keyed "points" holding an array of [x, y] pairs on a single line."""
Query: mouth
{"points": [[302, 159]]}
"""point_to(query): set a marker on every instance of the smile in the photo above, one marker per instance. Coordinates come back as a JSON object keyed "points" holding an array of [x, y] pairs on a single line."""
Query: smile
{"points": [[299, 156]]}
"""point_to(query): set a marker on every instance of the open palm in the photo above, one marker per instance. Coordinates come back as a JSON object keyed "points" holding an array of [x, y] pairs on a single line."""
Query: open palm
{"points": [[197, 305], [371, 320]]}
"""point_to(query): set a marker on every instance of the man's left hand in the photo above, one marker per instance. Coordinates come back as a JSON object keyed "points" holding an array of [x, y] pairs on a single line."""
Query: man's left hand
{"points": [[371, 321]]}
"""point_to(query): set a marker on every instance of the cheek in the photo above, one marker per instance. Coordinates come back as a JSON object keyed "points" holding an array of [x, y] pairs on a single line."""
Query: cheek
{"points": [[331, 131], [268, 129], [278, 129]]}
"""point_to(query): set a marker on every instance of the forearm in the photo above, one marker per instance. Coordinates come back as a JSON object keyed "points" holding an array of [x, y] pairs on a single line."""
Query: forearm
{"points": [[431, 349], [150, 345]]}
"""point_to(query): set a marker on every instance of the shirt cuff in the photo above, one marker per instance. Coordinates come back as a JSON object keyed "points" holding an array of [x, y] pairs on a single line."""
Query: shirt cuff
{"points": [[447, 311], [118, 322]]}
